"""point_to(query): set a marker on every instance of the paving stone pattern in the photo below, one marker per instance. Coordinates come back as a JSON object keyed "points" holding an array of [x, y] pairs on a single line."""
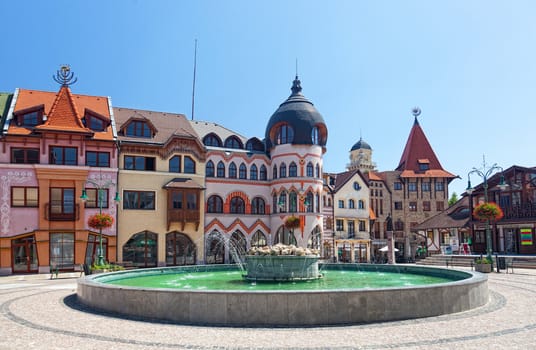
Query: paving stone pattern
{"points": [[39, 313]]}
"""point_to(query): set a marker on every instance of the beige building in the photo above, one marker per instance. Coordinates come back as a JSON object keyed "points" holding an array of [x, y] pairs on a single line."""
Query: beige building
{"points": [[161, 181]]}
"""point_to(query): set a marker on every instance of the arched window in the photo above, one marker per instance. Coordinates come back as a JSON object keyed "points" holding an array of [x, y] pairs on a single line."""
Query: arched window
{"points": [[189, 165], [180, 250], [175, 164], [274, 176], [263, 173], [284, 236], [351, 204], [314, 136], [317, 167], [214, 204], [317, 202], [257, 206], [254, 144], [243, 172], [237, 206], [283, 170], [237, 247], [212, 140], [215, 248], [292, 170], [292, 202], [253, 172], [309, 200], [233, 142], [285, 134], [282, 204], [141, 249], [220, 171], [274, 204], [258, 239], [310, 170], [209, 169], [361, 204], [232, 171]]}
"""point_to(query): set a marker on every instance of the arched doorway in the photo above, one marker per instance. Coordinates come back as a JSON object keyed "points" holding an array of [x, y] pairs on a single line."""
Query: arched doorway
{"points": [[237, 247], [215, 248], [180, 250], [141, 249], [284, 236]]}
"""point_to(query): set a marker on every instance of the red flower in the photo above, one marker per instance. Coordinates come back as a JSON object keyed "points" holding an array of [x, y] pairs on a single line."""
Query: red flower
{"points": [[100, 221], [488, 211]]}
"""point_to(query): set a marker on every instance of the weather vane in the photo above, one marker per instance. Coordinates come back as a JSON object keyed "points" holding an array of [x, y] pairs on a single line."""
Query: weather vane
{"points": [[416, 111], [64, 76]]}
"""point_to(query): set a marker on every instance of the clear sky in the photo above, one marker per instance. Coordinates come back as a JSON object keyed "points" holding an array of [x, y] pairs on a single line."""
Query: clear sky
{"points": [[469, 65]]}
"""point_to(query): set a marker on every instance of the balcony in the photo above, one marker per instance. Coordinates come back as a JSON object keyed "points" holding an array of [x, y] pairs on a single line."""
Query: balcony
{"points": [[519, 212], [58, 213], [183, 216]]}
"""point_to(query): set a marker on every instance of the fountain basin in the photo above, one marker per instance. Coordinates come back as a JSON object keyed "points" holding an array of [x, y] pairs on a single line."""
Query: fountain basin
{"points": [[288, 308], [281, 267]]}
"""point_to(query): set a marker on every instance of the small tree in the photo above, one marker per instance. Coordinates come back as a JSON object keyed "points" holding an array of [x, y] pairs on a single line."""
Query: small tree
{"points": [[453, 199]]}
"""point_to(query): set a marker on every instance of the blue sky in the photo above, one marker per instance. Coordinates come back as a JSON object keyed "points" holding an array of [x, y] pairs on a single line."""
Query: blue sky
{"points": [[469, 65]]}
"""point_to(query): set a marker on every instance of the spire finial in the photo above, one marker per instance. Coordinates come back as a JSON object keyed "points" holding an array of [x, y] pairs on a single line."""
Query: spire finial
{"points": [[296, 86], [416, 111], [64, 76]]}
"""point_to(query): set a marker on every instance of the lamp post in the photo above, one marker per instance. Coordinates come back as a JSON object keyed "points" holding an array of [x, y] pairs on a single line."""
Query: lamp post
{"points": [[485, 172], [100, 185]]}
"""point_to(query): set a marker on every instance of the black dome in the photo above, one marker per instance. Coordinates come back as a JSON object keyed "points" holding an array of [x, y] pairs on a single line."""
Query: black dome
{"points": [[360, 145], [299, 113]]}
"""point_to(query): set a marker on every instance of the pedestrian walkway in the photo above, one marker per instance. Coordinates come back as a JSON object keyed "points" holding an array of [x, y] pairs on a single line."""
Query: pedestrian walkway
{"points": [[39, 313]]}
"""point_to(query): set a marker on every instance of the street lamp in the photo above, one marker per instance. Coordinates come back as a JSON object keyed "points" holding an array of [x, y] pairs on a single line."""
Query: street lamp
{"points": [[485, 172], [100, 185]]}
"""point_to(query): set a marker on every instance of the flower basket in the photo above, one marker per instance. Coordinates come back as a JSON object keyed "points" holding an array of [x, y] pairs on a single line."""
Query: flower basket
{"points": [[292, 222], [488, 211], [100, 221]]}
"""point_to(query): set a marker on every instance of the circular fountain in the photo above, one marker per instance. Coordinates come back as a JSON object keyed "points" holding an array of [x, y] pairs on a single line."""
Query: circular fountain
{"points": [[230, 295]]}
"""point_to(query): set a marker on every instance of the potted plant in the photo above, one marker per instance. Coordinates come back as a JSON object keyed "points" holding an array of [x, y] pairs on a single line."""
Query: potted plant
{"points": [[483, 264], [100, 220], [488, 211], [292, 222]]}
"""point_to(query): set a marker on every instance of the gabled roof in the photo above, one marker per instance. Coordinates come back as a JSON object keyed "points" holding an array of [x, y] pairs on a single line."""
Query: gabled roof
{"points": [[456, 216], [203, 128], [64, 114], [342, 178], [418, 151]]}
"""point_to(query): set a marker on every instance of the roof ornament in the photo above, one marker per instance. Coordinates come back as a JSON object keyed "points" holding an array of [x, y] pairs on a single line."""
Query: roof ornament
{"points": [[64, 76], [416, 111], [296, 86]]}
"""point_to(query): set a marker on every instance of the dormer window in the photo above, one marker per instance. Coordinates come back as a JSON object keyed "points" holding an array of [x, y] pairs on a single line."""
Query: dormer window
{"points": [[95, 121], [30, 117], [285, 134], [138, 128], [424, 164], [233, 142]]}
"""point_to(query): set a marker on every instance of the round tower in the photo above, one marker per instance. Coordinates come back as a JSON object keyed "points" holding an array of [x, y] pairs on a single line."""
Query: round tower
{"points": [[295, 138], [361, 157]]}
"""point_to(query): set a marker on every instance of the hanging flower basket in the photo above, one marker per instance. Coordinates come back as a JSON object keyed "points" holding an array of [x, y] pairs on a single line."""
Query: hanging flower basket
{"points": [[100, 221], [292, 222], [488, 211]]}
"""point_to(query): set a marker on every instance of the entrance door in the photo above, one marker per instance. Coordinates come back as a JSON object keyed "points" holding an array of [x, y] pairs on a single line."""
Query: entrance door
{"points": [[24, 253]]}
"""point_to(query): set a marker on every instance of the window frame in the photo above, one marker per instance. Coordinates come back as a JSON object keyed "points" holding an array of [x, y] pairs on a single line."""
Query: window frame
{"points": [[139, 200], [98, 163], [25, 199], [52, 155], [25, 155], [135, 159]]}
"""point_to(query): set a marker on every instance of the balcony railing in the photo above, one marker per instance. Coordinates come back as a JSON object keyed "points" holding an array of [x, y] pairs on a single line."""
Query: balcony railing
{"points": [[183, 216], [521, 211], [51, 215]]}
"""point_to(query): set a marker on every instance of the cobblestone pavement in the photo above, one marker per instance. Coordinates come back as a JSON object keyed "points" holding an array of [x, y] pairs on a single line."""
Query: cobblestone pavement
{"points": [[38, 313]]}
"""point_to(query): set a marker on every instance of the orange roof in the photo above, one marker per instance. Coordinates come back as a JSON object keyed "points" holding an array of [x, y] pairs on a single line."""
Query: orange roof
{"points": [[427, 173], [373, 176], [64, 111]]}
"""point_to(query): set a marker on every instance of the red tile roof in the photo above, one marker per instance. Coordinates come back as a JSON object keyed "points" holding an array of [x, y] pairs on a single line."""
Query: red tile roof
{"points": [[418, 151], [63, 115]]}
